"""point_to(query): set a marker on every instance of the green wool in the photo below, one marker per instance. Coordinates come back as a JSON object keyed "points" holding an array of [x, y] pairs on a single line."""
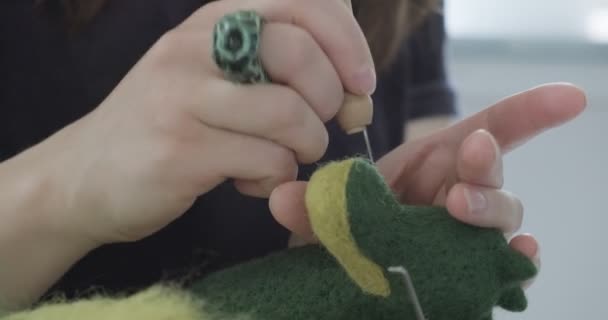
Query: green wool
{"points": [[460, 272]]}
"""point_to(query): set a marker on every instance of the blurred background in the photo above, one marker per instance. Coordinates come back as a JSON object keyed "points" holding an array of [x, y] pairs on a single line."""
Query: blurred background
{"points": [[500, 48]]}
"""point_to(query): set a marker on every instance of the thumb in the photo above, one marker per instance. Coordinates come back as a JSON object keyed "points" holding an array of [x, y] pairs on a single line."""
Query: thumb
{"points": [[288, 208]]}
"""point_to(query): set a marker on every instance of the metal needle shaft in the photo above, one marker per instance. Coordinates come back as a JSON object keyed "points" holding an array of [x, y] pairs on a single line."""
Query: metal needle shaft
{"points": [[368, 145], [411, 291]]}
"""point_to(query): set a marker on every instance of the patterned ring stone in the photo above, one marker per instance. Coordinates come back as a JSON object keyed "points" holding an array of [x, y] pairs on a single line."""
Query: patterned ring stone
{"points": [[236, 42]]}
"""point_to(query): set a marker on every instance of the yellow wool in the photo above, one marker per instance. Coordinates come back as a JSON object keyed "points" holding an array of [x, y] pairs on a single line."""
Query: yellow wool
{"points": [[327, 209], [157, 303]]}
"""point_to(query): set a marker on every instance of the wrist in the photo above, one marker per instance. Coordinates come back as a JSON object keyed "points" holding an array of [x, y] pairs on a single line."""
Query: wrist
{"points": [[36, 244], [35, 188]]}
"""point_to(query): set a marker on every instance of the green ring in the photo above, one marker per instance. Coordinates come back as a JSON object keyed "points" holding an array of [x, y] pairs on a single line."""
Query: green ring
{"points": [[236, 45]]}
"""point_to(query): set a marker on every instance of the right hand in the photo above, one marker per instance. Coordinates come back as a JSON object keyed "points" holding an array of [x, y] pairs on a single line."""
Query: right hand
{"points": [[174, 128]]}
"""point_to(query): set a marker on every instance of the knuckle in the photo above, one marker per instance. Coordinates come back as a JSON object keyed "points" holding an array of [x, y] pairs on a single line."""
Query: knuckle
{"points": [[333, 100], [289, 6], [166, 49], [320, 143], [213, 8], [294, 9], [290, 114], [173, 136], [296, 119], [166, 153], [207, 15], [282, 165], [167, 122], [302, 50], [320, 4]]}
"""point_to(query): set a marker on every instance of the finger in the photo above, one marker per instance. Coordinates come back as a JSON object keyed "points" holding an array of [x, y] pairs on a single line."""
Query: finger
{"points": [[416, 172], [527, 245], [330, 23], [298, 241], [518, 118], [289, 209], [334, 27], [270, 112], [485, 207], [257, 166], [479, 160], [291, 56]]}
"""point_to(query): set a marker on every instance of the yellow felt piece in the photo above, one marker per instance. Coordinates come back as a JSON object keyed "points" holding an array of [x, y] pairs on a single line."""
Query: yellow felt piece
{"points": [[328, 214], [156, 303]]}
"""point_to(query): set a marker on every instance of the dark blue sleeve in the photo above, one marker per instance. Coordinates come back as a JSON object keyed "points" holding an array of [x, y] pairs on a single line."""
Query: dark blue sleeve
{"points": [[428, 91]]}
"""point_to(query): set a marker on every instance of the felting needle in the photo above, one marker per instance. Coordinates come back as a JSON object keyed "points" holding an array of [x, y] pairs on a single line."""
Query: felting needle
{"points": [[411, 290], [356, 113]]}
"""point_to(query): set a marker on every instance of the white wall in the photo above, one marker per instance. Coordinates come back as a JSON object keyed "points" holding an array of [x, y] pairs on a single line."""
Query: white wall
{"points": [[561, 176], [564, 19], [500, 48]]}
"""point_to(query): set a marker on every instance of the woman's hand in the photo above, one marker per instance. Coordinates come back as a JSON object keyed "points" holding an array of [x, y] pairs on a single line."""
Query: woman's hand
{"points": [[174, 128], [460, 167]]}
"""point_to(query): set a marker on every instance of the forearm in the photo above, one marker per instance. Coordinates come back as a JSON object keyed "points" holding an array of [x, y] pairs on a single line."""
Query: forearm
{"points": [[34, 250]]}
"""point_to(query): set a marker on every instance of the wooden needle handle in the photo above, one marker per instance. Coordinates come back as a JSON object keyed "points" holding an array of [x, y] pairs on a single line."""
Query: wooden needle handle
{"points": [[356, 112]]}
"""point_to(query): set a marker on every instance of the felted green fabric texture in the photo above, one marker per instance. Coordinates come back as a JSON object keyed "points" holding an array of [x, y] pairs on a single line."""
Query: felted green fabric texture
{"points": [[460, 272]]}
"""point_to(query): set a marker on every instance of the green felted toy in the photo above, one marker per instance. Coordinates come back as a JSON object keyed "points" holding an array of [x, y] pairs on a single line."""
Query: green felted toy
{"points": [[460, 272]]}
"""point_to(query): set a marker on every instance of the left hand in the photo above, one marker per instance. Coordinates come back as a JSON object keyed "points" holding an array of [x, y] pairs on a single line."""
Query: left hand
{"points": [[460, 167]]}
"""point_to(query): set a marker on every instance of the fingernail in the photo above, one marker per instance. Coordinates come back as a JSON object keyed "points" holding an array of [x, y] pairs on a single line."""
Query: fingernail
{"points": [[482, 138], [536, 258], [365, 80], [476, 201]]}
